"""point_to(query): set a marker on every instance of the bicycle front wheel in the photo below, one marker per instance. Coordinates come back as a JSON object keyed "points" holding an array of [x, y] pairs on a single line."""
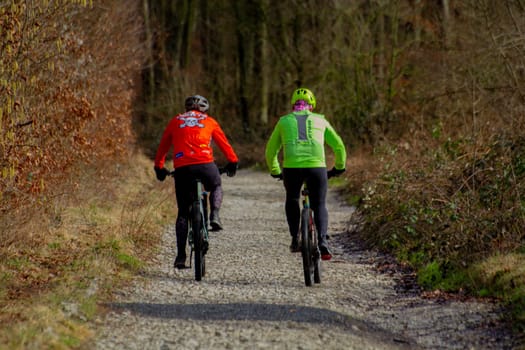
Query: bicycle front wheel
{"points": [[314, 248], [306, 248], [198, 240]]}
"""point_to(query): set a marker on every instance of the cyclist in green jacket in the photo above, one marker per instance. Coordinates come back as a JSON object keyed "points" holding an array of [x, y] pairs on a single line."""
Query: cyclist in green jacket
{"points": [[302, 135]]}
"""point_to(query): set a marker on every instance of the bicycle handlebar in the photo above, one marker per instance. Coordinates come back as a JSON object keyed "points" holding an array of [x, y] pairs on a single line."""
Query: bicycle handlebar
{"points": [[328, 175], [221, 171]]}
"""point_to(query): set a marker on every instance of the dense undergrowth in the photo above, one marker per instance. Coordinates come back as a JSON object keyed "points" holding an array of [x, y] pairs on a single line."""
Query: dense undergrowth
{"points": [[454, 212], [72, 215]]}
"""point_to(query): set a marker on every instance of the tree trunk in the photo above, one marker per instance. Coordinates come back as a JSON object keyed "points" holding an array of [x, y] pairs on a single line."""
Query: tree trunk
{"points": [[242, 52], [446, 23], [150, 72], [264, 64]]}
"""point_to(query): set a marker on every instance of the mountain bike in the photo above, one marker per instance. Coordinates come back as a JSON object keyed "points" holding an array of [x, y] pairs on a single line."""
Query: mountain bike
{"points": [[198, 230], [309, 249], [310, 252], [198, 227]]}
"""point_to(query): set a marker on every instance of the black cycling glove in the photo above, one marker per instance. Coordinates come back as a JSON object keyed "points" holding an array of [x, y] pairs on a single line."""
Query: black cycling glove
{"points": [[278, 176], [231, 169], [161, 173], [335, 172]]}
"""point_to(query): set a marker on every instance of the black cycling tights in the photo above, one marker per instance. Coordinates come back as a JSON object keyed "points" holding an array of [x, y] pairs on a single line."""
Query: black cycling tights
{"points": [[317, 182], [184, 185]]}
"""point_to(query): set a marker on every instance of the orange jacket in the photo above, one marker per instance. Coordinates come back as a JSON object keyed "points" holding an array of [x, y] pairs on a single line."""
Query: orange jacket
{"points": [[191, 134]]}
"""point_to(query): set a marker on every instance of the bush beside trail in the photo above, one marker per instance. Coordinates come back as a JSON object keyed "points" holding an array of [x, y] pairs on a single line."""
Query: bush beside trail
{"points": [[454, 213], [68, 80]]}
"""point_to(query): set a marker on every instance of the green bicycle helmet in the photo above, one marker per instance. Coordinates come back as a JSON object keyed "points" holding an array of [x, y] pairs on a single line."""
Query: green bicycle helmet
{"points": [[305, 95]]}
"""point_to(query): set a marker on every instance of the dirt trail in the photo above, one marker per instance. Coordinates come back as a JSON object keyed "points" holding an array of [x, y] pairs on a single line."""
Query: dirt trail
{"points": [[253, 295]]}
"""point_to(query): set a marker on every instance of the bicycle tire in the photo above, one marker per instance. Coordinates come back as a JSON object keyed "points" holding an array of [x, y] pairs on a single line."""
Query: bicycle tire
{"points": [[317, 268], [205, 208], [316, 254], [204, 230], [306, 249], [317, 271], [196, 218]]}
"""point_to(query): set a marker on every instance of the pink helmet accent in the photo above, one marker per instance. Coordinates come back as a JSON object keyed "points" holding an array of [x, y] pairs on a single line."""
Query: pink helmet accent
{"points": [[301, 105]]}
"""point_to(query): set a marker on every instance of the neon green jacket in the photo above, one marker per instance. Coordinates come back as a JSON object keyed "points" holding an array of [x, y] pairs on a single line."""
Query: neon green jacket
{"points": [[302, 136]]}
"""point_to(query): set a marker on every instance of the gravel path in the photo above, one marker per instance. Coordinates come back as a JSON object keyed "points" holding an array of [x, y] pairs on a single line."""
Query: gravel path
{"points": [[253, 295]]}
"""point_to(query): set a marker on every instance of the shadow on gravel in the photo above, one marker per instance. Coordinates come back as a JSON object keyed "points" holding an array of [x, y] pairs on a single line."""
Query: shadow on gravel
{"points": [[258, 312], [239, 311]]}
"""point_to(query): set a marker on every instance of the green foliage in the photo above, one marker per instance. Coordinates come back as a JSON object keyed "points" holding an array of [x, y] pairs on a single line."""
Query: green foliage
{"points": [[54, 245], [88, 307], [337, 182], [113, 249], [69, 341], [128, 261], [502, 276], [430, 276], [452, 148]]}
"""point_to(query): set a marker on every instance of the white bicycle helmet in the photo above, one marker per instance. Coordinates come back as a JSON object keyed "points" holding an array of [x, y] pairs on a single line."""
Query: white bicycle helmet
{"points": [[196, 102]]}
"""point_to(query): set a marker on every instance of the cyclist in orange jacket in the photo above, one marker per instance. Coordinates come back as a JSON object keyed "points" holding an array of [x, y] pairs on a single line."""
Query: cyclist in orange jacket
{"points": [[190, 134]]}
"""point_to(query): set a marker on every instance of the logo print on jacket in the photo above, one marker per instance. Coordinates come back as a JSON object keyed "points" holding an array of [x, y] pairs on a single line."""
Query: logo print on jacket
{"points": [[191, 120]]}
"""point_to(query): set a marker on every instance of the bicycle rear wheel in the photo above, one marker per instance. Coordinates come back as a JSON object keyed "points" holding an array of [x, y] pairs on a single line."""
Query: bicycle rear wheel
{"points": [[306, 248], [196, 218], [315, 252], [204, 202]]}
